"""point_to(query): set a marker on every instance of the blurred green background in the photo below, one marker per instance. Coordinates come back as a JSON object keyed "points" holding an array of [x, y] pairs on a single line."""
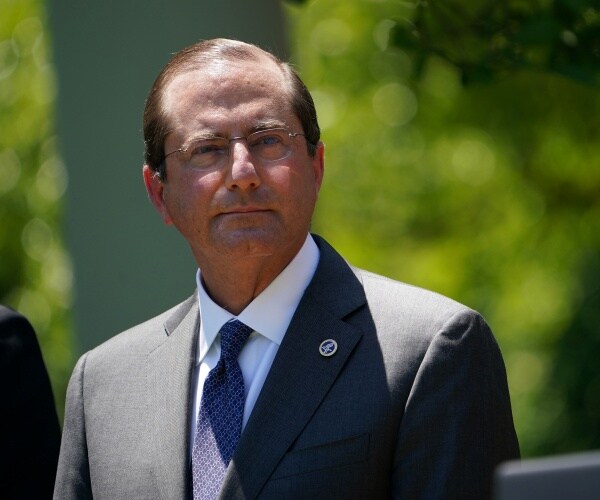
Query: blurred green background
{"points": [[35, 269], [462, 155]]}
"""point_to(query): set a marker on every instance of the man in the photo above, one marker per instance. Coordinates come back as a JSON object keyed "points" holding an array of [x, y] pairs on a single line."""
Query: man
{"points": [[29, 429], [350, 385]]}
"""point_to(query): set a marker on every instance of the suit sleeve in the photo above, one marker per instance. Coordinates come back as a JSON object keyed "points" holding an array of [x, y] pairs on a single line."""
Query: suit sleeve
{"points": [[30, 433], [457, 426], [73, 476]]}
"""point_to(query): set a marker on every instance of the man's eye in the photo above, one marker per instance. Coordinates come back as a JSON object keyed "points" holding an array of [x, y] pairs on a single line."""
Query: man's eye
{"points": [[266, 140], [269, 140], [205, 148]]}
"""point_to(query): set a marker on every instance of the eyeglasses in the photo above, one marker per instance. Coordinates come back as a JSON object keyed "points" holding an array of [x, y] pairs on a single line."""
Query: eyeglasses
{"points": [[265, 145]]}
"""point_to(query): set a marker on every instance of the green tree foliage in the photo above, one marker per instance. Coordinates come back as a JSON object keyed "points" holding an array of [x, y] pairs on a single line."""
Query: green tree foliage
{"points": [[487, 39], [35, 272], [463, 155]]}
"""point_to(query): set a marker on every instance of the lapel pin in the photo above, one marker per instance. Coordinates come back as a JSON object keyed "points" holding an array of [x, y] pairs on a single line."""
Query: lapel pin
{"points": [[328, 348]]}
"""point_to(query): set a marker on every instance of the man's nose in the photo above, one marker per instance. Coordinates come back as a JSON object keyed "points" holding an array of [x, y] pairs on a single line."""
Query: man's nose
{"points": [[242, 172]]}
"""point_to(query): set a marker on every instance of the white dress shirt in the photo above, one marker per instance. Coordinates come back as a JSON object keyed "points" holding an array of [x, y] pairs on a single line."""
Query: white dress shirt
{"points": [[269, 315]]}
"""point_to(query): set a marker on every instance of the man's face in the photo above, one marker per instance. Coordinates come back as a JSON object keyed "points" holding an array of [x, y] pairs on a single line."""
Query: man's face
{"points": [[245, 208]]}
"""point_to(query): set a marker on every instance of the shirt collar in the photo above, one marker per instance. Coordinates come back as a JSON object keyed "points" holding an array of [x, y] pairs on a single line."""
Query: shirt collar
{"points": [[270, 313]]}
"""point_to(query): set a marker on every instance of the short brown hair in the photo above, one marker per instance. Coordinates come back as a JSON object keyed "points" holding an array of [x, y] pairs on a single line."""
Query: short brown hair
{"points": [[156, 126]]}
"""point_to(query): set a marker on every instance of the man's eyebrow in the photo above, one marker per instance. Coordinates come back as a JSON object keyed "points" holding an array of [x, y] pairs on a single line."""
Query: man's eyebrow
{"points": [[201, 136], [267, 124], [256, 127], [208, 134]]}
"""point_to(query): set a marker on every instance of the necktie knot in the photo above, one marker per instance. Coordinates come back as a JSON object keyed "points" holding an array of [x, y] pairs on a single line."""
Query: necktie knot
{"points": [[234, 334]]}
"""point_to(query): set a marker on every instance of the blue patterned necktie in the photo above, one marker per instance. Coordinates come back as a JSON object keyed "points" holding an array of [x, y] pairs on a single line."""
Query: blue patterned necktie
{"points": [[220, 417]]}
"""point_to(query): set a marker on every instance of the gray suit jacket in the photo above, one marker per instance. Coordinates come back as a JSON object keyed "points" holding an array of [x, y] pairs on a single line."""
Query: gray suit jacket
{"points": [[414, 404]]}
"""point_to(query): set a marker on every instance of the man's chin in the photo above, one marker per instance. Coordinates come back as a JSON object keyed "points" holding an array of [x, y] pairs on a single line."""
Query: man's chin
{"points": [[253, 241]]}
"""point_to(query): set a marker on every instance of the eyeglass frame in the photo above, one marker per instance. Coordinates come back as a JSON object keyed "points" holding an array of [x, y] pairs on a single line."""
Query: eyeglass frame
{"points": [[229, 140]]}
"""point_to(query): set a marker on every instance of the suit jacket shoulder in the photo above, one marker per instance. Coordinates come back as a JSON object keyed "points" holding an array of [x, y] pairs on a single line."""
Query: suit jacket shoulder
{"points": [[387, 298], [144, 336]]}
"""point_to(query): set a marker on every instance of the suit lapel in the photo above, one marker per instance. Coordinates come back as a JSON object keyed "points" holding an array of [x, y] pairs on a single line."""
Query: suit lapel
{"points": [[300, 376], [170, 367]]}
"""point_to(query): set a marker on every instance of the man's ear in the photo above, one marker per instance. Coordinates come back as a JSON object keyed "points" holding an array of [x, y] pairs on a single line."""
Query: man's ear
{"points": [[155, 188], [318, 164]]}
